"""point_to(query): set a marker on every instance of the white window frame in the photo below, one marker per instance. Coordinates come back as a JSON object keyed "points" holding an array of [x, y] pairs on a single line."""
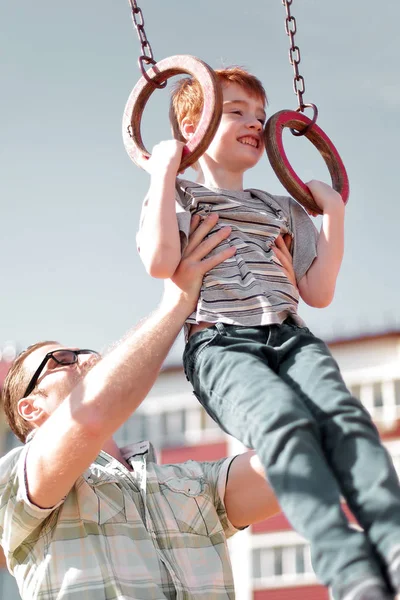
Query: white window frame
{"points": [[194, 432], [387, 414], [288, 540]]}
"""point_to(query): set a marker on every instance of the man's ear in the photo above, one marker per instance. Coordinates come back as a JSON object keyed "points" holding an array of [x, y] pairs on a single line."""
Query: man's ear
{"points": [[31, 411], [187, 128]]}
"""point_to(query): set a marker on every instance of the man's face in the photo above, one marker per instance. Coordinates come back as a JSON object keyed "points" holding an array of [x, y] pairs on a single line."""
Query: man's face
{"points": [[238, 144], [56, 381]]}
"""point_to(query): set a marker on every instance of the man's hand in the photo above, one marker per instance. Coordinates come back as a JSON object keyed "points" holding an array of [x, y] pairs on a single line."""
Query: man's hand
{"points": [[166, 157], [325, 196], [184, 286], [281, 249]]}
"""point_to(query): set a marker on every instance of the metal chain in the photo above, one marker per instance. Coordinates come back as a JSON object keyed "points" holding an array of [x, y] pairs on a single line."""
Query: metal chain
{"points": [[299, 85], [294, 54], [146, 58]]}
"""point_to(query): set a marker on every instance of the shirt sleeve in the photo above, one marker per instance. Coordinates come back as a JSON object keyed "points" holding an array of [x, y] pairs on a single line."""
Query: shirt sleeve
{"points": [[305, 239], [182, 215], [216, 474], [19, 517]]}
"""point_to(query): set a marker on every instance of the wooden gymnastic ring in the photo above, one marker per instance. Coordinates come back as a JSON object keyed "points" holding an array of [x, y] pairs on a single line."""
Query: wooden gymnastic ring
{"points": [[210, 116], [284, 171]]}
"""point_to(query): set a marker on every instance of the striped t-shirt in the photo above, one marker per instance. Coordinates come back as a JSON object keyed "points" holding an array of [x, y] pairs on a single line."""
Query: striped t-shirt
{"points": [[249, 289]]}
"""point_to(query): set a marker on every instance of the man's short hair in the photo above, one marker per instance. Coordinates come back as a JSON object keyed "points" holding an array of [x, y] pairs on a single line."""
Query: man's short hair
{"points": [[187, 97], [14, 387]]}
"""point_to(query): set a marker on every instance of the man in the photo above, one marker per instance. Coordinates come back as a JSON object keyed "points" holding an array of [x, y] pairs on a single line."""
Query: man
{"points": [[82, 518]]}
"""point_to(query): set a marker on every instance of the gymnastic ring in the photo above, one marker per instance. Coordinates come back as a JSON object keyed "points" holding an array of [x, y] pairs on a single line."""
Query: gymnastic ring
{"points": [[283, 169], [210, 116]]}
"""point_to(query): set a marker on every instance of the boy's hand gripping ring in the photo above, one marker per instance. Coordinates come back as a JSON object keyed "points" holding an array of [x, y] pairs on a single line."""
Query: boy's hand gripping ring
{"points": [[209, 120], [283, 169]]}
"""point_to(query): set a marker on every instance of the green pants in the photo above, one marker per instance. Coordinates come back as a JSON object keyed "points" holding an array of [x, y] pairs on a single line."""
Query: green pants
{"points": [[278, 390]]}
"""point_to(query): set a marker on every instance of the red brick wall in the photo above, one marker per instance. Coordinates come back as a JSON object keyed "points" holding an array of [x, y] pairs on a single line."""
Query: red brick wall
{"points": [[4, 366], [200, 452], [304, 592], [280, 523], [276, 523], [393, 433]]}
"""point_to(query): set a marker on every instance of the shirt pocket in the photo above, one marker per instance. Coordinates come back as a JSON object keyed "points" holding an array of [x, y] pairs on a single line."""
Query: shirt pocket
{"points": [[190, 507], [204, 205], [101, 499], [203, 210]]}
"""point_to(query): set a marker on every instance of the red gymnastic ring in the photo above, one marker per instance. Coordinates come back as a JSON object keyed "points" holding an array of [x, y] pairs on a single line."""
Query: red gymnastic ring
{"points": [[209, 120], [284, 171]]}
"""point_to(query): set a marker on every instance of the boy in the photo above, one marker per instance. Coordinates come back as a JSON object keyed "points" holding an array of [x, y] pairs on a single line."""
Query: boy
{"points": [[258, 371]]}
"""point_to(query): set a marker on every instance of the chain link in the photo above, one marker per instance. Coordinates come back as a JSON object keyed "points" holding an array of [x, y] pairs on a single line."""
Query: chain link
{"points": [[294, 54], [146, 58], [299, 85]]}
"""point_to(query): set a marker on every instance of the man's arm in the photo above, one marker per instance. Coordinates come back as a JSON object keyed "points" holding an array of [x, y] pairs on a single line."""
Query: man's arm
{"points": [[70, 439], [160, 246], [248, 496], [317, 287]]}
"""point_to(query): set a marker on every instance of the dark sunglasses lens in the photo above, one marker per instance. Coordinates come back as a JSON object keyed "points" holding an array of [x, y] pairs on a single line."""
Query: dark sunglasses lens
{"points": [[64, 357]]}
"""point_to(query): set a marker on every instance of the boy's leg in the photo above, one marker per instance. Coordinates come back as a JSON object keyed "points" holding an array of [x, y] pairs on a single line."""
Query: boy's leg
{"points": [[232, 371], [351, 443]]}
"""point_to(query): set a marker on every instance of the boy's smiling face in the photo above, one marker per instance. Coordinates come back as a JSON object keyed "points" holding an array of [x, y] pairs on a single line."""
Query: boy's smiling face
{"points": [[238, 144]]}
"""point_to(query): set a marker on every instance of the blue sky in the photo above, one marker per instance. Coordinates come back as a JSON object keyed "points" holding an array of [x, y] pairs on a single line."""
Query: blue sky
{"points": [[70, 197]]}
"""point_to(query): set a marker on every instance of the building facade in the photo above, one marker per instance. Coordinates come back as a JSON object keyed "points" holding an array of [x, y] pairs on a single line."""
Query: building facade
{"points": [[270, 561]]}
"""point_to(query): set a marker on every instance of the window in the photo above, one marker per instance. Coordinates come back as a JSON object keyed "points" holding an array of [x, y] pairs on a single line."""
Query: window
{"points": [[396, 463], [278, 563], [380, 398], [173, 425], [134, 430], [377, 395], [207, 423], [397, 392], [300, 560], [189, 425], [167, 428], [356, 391]]}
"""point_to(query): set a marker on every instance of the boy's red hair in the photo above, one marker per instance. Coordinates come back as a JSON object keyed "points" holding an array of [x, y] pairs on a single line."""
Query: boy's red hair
{"points": [[187, 97]]}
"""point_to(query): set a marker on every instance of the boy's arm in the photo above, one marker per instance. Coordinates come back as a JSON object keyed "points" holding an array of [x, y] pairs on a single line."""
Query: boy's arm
{"points": [[160, 245], [317, 287]]}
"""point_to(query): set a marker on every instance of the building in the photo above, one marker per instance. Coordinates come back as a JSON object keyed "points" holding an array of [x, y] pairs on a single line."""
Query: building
{"points": [[270, 560]]}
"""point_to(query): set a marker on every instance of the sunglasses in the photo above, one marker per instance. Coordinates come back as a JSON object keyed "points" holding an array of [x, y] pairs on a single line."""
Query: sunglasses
{"points": [[61, 357]]}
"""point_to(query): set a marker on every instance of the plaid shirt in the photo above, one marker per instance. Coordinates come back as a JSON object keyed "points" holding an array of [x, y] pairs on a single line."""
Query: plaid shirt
{"points": [[158, 532]]}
